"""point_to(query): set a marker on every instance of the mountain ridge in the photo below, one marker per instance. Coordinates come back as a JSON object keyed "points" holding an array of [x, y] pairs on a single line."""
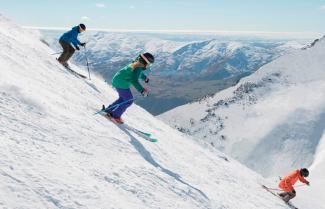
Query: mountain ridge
{"points": [[277, 80]]}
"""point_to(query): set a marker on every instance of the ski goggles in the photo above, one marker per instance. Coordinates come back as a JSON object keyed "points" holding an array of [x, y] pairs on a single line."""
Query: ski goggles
{"points": [[81, 30], [146, 62]]}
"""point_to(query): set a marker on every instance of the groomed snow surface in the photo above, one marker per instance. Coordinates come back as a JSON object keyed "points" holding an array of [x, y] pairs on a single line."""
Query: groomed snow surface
{"points": [[56, 154]]}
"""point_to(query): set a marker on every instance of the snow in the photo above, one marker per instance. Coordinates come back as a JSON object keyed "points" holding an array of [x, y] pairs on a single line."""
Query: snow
{"points": [[55, 153], [315, 193], [272, 121]]}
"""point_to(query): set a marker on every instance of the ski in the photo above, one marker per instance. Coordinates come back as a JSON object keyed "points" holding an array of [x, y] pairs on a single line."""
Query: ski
{"points": [[275, 194], [105, 109], [145, 135], [72, 71], [75, 73]]}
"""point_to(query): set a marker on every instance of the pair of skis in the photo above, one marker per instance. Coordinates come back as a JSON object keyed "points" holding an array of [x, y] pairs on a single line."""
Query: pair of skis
{"points": [[72, 71], [145, 135], [275, 194]]}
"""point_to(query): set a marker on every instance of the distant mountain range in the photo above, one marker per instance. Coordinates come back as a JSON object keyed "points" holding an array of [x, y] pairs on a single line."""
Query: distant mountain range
{"points": [[187, 68]]}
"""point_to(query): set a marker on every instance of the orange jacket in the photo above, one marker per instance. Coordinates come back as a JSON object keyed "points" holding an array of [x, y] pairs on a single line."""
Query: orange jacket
{"points": [[286, 183]]}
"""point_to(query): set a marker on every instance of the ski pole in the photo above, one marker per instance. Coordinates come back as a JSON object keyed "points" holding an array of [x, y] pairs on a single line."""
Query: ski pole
{"points": [[301, 185], [87, 63], [274, 189], [117, 105], [281, 190], [56, 53]]}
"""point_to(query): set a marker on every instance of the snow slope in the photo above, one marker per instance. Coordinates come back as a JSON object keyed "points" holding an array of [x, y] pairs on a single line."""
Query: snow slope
{"points": [[56, 154], [271, 121], [315, 193], [281, 106]]}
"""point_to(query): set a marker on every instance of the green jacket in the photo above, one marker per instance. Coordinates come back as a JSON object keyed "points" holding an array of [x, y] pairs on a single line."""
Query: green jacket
{"points": [[127, 76]]}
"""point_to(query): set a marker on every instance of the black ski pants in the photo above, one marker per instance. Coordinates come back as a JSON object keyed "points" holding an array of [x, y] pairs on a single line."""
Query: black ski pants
{"points": [[286, 196], [68, 51]]}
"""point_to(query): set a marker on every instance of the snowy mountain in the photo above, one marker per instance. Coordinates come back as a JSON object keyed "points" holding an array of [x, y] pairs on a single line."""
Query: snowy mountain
{"points": [[214, 57], [55, 153], [271, 121], [215, 61]]}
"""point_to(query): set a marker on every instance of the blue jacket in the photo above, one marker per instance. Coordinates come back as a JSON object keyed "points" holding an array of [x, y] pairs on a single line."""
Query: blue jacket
{"points": [[71, 36]]}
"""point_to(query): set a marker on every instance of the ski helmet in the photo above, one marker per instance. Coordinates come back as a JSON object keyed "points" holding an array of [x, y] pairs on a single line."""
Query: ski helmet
{"points": [[304, 172], [146, 58], [82, 26]]}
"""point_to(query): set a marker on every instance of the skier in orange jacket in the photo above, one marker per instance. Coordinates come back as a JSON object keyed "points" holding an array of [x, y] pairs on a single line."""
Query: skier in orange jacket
{"points": [[286, 183]]}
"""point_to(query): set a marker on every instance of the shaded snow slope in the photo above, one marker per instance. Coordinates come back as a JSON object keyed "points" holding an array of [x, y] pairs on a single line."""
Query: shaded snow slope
{"points": [[56, 154], [272, 120]]}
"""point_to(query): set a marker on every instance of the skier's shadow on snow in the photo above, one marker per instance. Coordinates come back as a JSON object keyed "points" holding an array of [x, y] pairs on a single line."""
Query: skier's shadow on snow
{"points": [[92, 86], [147, 156]]}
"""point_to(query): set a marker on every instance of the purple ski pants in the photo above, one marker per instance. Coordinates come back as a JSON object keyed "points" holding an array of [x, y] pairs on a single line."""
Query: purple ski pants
{"points": [[124, 95]]}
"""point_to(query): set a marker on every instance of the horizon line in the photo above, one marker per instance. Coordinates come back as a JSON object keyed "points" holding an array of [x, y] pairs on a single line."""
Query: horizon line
{"points": [[286, 34]]}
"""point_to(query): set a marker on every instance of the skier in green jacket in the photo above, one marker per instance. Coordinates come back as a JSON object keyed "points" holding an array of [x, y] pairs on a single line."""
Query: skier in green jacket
{"points": [[122, 81]]}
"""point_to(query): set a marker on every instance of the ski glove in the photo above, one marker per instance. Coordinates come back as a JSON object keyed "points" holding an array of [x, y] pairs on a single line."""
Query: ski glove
{"points": [[145, 92], [77, 48], [83, 44], [147, 80]]}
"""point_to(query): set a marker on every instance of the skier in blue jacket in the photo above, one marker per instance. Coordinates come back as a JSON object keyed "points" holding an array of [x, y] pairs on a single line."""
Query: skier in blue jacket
{"points": [[68, 38]]}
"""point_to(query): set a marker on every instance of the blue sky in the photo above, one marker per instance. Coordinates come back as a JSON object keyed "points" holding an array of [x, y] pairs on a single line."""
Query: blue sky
{"points": [[229, 15]]}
